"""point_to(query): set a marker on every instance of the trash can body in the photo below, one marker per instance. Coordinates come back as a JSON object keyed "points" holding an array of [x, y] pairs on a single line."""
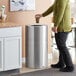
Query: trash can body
{"points": [[37, 46]]}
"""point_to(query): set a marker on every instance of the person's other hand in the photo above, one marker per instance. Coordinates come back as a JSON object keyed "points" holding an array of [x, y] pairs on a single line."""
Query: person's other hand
{"points": [[54, 29]]}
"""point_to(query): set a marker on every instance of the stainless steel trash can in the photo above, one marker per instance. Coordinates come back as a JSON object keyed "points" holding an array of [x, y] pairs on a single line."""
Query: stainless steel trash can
{"points": [[37, 46]]}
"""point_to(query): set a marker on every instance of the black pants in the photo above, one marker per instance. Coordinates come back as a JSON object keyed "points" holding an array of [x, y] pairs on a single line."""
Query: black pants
{"points": [[64, 56]]}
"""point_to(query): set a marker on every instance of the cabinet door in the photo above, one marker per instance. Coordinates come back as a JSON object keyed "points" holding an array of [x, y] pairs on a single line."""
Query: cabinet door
{"points": [[1, 54], [12, 53]]}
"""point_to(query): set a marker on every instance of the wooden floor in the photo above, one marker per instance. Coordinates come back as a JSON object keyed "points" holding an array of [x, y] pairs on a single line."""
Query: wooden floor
{"points": [[26, 69]]}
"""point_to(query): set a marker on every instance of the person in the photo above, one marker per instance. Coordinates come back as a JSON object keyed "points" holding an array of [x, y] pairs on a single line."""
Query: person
{"points": [[62, 27]]}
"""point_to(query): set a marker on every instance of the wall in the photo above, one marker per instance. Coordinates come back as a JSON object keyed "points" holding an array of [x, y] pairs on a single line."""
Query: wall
{"points": [[27, 17]]}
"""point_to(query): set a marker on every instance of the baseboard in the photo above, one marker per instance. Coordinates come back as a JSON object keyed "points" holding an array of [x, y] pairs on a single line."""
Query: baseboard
{"points": [[49, 58]]}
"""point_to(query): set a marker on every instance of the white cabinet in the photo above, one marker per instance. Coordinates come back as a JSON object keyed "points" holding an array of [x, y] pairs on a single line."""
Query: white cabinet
{"points": [[10, 48]]}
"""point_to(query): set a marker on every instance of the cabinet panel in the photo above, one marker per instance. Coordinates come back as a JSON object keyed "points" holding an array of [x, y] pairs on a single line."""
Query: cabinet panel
{"points": [[12, 53], [10, 32], [1, 54]]}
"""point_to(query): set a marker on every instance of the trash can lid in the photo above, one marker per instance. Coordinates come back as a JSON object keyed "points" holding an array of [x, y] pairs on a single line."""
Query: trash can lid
{"points": [[37, 24]]}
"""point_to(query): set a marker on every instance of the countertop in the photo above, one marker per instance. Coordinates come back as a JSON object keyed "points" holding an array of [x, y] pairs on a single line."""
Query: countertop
{"points": [[11, 24], [8, 24]]}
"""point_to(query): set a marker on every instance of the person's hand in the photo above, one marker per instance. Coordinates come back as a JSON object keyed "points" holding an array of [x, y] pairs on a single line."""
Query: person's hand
{"points": [[54, 29], [37, 17]]}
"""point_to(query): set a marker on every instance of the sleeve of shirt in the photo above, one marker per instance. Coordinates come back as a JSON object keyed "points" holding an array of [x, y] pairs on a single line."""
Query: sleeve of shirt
{"points": [[48, 11], [61, 6]]}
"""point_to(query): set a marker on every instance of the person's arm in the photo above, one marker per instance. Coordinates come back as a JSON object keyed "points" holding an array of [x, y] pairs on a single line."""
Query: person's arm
{"points": [[48, 11], [61, 6], [38, 16]]}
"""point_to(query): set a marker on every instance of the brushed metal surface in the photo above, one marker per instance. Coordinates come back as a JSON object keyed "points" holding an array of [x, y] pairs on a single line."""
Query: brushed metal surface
{"points": [[37, 46]]}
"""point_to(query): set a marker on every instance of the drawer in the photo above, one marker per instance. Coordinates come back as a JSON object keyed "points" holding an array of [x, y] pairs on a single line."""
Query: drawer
{"points": [[10, 31]]}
